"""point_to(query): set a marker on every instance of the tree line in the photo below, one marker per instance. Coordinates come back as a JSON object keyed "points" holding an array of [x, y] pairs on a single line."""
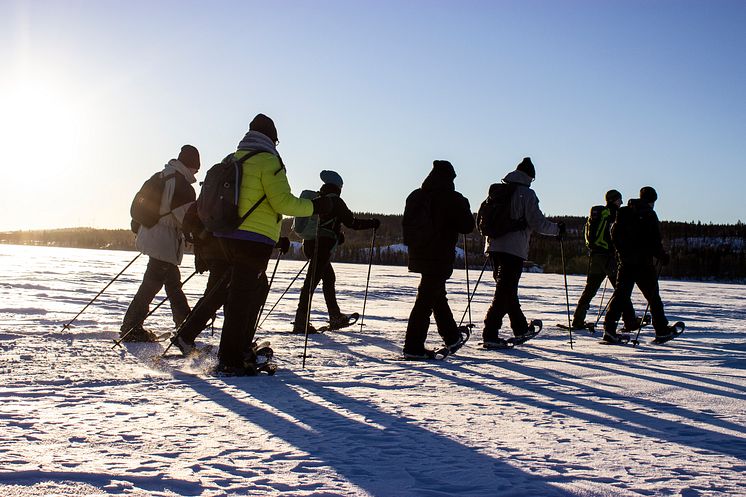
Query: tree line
{"points": [[698, 251]]}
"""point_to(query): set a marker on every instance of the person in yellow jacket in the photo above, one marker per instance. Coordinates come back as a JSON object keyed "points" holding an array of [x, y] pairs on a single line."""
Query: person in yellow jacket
{"points": [[247, 249]]}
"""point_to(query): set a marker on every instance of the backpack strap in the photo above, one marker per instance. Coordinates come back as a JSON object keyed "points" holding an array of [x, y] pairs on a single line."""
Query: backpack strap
{"points": [[166, 178], [256, 204]]}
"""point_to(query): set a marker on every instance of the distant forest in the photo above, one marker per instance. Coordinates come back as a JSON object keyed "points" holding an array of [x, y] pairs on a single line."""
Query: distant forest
{"points": [[698, 251]]}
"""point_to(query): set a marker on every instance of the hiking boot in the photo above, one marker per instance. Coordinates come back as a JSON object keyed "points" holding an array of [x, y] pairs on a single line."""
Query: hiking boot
{"points": [[613, 337], [301, 330], [224, 369], [423, 355], [185, 347], [339, 321], [464, 334], [496, 343], [530, 330], [138, 334]]}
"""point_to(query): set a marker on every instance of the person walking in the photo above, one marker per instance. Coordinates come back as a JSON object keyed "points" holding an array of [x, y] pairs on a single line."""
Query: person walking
{"points": [[247, 249], [163, 243], [434, 216], [637, 239], [602, 260], [319, 251], [508, 252]]}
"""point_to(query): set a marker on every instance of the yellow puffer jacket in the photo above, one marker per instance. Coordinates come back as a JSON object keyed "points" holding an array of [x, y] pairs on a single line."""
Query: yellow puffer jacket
{"points": [[263, 174]]}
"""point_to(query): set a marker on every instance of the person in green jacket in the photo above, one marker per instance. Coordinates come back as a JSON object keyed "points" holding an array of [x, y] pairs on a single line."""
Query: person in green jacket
{"points": [[247, 249]]}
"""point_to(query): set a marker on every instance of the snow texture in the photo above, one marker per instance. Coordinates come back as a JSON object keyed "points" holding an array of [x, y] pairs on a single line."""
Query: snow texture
{"points": [[79, 417]]}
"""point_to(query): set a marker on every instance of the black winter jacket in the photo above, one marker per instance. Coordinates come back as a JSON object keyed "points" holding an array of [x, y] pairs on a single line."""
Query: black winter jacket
{"points": [[636, 233], [451, 215]]}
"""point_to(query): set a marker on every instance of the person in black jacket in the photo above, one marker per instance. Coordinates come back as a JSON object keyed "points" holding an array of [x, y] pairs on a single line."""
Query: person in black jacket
{"points": [[434, 216], [602, 261], [329, 236], [637, 240]]}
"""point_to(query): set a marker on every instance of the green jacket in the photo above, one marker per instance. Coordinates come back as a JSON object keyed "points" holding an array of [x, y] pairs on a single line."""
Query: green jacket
{"points": [[263, 174]]}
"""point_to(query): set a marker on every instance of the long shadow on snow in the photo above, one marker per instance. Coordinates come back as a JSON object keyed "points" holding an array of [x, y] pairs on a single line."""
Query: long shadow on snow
{"points": [[397, 458], [618, 418]]}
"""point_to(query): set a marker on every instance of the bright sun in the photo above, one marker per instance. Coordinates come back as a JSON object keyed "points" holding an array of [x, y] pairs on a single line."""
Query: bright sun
{"points": [[36, 117]]}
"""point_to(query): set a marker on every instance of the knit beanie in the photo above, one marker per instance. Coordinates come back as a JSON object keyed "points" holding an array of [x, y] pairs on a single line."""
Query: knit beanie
{"points": [[444, 168], [189, 156], [265, 126], [613, 196], [331, 177], [648, 194], [527, 167]]}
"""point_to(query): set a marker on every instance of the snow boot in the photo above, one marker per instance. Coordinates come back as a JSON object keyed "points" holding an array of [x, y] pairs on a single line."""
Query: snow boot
{"points": [[139, 334], [464, 334], [184, 347]]}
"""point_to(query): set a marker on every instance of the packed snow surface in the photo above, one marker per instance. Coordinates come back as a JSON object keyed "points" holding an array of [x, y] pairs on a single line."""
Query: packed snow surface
{"points": [[79, 417]]}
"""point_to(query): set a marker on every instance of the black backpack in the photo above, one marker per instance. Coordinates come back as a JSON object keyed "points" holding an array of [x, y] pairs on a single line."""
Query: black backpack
{"points": [[217, 205], [493, 217], [146, 206], [418, 226], [597, 229], [625, 232]]}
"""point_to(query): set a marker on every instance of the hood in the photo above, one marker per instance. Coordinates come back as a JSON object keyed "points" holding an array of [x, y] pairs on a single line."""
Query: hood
{"points": [[518, 177], [254, 140], [178, 166]]}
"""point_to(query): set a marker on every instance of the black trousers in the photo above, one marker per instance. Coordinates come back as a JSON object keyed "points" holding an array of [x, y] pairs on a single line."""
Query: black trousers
{"points": [[323, 272], [157, 275], [645, 276], [507, 270], [431, 300], [246, 262], [601, 266], [213, 299]]}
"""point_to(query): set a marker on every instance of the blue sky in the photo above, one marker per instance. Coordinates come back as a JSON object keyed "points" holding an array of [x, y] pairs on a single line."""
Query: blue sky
{"points": [[97, 95]]}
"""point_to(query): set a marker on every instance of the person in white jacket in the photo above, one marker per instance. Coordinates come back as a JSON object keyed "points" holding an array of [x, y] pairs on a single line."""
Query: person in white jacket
{"points": [[164, 244], [508, 252]]}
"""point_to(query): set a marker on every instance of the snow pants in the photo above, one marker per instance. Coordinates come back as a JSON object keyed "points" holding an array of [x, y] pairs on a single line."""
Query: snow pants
{"points": [[157, 275], [645, 276], [323, 272], [246, 262], [507, 270], [431, 300], [601, 266]]}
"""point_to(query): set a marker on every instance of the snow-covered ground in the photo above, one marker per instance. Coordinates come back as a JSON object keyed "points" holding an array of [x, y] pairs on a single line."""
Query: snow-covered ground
{"points": [[78, 417]]}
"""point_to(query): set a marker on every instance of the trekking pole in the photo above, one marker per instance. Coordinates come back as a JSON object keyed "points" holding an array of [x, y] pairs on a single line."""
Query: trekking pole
{"points": [[67, 325], [206, 298], [367, 280], [471, 297], [468, 292], [601, 307], [567, 294], [283, 293], [311, 289], [269, 287], [645, 314], [117, 343]]}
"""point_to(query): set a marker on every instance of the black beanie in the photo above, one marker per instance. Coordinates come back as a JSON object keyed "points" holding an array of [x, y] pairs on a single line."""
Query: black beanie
{"points": [[527, 167], [613, 196], [445, 168], [189, 156], [648, 194], [265, 126]]}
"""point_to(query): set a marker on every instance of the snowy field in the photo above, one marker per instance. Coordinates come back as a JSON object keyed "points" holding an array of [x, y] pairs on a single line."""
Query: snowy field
{"points": [[78, 417]]}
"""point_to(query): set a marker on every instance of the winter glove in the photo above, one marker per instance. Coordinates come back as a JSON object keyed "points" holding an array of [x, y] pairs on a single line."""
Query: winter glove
{"points": [[664, 258], [562, 229], [283, 244], [375, 223], [323, 205], [340, 238]]}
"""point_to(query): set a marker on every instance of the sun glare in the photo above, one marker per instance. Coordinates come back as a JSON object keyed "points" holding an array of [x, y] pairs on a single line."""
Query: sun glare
{"points": [[39, 118]]}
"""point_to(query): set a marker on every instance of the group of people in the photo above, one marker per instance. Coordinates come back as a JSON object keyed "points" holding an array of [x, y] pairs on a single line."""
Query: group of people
{"points": [[237, 259]]}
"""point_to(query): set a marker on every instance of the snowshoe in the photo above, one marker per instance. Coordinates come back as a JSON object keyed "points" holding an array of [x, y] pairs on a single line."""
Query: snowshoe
{"points": [[643, 321], [465, 334], [139, 334], [496, 344], [614, 338], [226, 370], [673, 331], [533, 329], [590, 327], [301, 330], [339, 322], [184, 347], [425, 355]]}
